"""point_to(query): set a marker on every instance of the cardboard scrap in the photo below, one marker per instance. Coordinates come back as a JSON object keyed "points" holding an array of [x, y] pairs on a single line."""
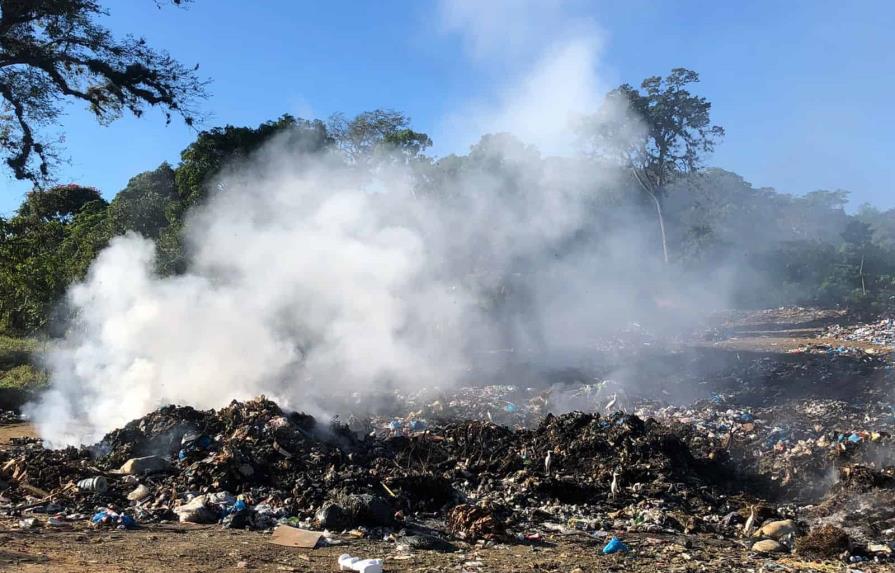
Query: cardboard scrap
{"points": [[294, 537]]}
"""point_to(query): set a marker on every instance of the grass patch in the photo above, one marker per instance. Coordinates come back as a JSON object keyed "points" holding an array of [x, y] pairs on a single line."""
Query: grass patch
{"points": [[12, 344], [24, 377], [17, 371]]}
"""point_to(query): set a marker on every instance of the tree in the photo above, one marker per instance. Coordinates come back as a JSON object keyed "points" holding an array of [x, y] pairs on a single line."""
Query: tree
{"points": [[375, 133], [142, 205], [658, 132], [204, 159], [213, 149], [60, 203], [46, 246], [55, 50]]}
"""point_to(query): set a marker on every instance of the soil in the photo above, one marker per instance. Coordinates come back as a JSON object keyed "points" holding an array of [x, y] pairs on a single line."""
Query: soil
{"points": [[198, 548]]}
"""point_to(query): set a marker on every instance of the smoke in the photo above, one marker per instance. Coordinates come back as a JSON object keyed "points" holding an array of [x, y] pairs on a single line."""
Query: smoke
{"points": [[311, 279], [547, 62]]}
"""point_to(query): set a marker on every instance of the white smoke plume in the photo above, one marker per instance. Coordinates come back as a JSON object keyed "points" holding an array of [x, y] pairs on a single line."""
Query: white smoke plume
{"points": [[310, 280]]}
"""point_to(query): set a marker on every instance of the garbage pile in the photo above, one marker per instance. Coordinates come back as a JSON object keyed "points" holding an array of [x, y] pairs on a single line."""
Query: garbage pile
{"points": [[252, 465], [704, 469], [8, 417], [781, 454], [881, 333]]}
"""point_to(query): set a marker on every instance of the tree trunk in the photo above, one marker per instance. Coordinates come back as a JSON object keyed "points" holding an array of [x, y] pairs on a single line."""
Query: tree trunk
{"points": [[661, 226], [658, 203]]}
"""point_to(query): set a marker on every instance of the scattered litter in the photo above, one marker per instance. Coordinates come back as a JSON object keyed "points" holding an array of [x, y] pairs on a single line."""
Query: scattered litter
{"points": [[615, 545], [294, 537]]}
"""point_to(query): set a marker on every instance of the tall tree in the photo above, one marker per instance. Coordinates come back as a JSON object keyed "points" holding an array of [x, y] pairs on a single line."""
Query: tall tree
{"points": [[52, 51], [658, 132], [375, 133]]}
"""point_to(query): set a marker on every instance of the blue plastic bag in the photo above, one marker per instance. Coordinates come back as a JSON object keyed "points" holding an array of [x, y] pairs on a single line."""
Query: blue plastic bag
{"points": [[615, 545]]}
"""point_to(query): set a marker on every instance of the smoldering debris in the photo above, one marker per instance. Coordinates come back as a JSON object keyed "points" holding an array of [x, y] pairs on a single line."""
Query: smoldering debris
{"points": [[709, 469], [754, 462]]}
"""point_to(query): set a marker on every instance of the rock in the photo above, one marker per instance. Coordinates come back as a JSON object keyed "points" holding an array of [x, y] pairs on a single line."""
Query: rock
{"points": [[141, 492], [776, 529], [333, 517], [824, 542], [768, 546], [145, 465]]}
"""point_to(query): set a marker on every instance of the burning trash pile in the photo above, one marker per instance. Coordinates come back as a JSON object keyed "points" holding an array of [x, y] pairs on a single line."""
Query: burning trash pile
{"points": [[252, 465], [703, 470]]}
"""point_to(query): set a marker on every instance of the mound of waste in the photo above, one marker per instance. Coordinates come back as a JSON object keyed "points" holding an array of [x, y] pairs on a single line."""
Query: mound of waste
{"points": [[252, 465], [251, 457]]}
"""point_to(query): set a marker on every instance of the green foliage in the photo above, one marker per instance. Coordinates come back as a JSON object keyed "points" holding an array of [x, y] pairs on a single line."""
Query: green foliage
{"points": [[143, 204], [777, 248], [228, 146], [660, 131], [16, 370], [60, 203], [203, 160], [49, 244], [377, 133], [25, 377]]}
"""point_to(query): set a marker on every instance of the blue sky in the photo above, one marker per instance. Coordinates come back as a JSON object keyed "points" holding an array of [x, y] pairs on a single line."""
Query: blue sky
{"points": [[802, 87]]}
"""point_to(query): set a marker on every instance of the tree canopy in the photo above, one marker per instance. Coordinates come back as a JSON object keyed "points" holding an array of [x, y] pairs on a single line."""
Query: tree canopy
{"points": [[53, 51], [658, 132]]}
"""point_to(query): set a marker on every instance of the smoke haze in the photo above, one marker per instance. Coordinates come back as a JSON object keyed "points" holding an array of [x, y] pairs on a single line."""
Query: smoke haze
{"points": [[310, 278]]}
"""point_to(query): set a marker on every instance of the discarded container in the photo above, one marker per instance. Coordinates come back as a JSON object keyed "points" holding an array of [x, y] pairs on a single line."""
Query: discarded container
{"points": [[511, 408], [97, 484], [615, 545], [349, 563]]}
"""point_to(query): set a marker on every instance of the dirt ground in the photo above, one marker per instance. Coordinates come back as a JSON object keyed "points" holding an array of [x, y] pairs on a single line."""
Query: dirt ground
{"points": [[10, 431], [209, 548]]}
